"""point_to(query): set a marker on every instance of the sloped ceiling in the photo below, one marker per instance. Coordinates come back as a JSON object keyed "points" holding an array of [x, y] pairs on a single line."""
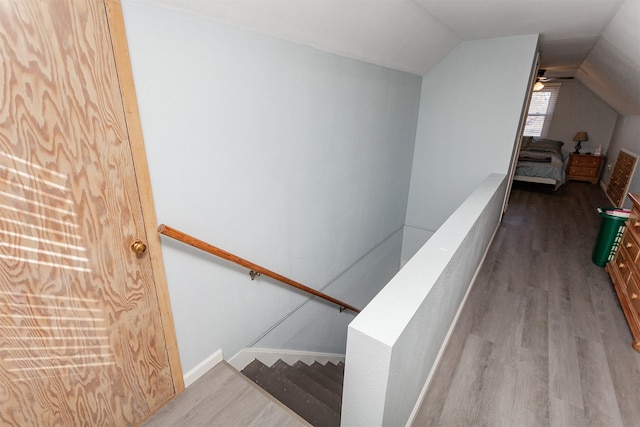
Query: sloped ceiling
{"points": [[597, 41]]}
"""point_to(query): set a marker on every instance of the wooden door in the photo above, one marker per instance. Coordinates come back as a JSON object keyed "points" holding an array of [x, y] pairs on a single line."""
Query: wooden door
{"points": [[81, 334]]}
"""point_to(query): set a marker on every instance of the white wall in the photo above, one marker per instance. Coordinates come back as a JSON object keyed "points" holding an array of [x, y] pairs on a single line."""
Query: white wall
{"points": [[292, 158], [626, 135], [303, 330], [579, 109], [393, 345], [467, 127]]}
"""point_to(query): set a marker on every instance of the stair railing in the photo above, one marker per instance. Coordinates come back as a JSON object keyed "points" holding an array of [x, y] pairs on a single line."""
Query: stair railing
{"points": [[255, 269]]}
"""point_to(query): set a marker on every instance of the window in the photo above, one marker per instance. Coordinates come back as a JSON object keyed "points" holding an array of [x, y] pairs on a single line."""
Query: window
{"points": [[541, 110]]}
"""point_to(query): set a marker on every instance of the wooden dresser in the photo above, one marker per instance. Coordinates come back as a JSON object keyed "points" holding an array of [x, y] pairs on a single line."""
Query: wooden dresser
{"points": [[584, 167], [621, 176], [624, 270]]}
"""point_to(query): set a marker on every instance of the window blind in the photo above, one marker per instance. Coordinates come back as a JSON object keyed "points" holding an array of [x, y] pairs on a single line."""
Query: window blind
{"points": [[541, 108]]}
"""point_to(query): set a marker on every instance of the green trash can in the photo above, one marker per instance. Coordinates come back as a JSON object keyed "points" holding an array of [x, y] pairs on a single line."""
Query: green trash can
{"points": [[609, 236]]}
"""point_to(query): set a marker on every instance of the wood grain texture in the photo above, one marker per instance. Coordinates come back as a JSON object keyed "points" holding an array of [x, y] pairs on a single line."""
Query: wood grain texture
{"points": [[541, 340], [82, 342], [143, 179]]}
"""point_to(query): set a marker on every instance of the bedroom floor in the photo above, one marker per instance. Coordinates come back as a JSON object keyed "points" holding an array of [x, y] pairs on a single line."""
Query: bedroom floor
{"points": [[542, 339]]}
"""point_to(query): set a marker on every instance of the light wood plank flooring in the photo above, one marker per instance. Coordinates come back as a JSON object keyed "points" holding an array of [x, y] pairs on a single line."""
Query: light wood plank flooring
{"points": [[224, 397], [542, 340]]}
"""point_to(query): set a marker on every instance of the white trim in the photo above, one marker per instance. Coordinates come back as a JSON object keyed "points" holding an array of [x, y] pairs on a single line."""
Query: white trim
{"points": [[202, 368], [436, 362], [604, 188], [270, 356]]}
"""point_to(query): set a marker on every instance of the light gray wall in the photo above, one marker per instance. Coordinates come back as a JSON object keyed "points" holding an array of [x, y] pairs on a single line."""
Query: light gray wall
{"points": [[626, 135], [393, 345], [314, 327], [467, 127], [292, 158], [579, 109]]}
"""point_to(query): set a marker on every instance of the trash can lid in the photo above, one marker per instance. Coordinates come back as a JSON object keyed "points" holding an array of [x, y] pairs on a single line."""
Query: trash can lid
{"points": [[614, 213]]}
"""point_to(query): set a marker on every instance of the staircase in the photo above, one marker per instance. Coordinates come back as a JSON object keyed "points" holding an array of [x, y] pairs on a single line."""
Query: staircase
{"points": [[312, 391]]}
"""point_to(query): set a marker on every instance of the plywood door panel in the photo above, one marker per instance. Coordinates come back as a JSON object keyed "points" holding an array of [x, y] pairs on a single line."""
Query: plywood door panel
{"points": [[81, 339]]}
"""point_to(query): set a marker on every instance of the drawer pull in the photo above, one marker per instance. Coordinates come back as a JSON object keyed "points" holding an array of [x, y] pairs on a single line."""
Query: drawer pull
{"points": [[636, 223], [621, 265], [629, 244], [634, 295]]}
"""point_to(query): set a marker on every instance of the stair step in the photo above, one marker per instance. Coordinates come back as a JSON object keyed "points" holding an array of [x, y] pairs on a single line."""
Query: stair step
{"points": [[328, 372], [286, 391], [335, 369], [320, 377], [281, 366], [330, 398], [340, 367]]}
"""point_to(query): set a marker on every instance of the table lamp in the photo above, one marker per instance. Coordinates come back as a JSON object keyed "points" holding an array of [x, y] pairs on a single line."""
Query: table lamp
{"points": [[580, 136]]}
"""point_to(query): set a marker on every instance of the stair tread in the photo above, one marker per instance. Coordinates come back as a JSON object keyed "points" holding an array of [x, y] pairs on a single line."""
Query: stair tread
{"points": [[303, 403], [328, 372], [281, 366], [326, 395], [336, 369], [320, 377]]}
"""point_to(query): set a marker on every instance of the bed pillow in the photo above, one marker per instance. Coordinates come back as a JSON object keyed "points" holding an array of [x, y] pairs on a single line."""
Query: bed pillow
{"points": [[548, 145], [526, 141]]}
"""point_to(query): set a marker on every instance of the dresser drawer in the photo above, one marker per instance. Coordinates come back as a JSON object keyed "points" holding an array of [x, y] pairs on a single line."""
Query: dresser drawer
{"points": [[635, 216], [623, 265], [633, 224], [583, 171], [632, 247], [614, 193], [627, 162], [585, 161], [633, 295]]}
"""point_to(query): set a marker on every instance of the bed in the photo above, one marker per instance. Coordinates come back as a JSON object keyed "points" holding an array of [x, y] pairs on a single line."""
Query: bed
{"points": [[541, 161]]}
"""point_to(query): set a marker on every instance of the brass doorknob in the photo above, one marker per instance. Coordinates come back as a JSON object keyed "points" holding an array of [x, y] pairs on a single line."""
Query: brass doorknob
{"points": [[138, 247]]}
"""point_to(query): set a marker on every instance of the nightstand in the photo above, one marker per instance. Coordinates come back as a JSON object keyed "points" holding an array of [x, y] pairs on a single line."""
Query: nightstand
{"points": [[584, 167]]}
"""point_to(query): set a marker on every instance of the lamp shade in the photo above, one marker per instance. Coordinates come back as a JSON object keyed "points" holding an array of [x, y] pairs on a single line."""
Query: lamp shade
{"points": [[581, 136], [538, 86]]}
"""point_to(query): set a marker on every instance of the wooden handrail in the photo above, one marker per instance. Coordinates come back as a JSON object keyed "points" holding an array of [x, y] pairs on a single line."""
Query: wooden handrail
{"points": [[204, 246]]}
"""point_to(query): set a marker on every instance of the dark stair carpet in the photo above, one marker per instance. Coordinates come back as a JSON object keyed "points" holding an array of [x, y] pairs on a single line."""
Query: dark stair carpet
{"points": [[312, 391]]}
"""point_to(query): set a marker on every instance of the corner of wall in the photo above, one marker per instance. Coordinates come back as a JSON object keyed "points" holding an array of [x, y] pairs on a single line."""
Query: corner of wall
{"points": [[201, 368]]}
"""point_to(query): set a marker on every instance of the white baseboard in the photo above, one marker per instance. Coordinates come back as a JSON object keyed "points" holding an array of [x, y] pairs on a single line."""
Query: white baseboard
{"points": [[201, 368], [265, 355], [270, 356]]}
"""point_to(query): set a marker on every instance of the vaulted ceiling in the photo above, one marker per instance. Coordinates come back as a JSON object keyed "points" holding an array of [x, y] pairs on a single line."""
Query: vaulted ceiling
{"points": [[596, 41]]}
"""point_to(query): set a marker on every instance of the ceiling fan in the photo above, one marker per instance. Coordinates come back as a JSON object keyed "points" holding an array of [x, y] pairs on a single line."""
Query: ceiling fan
{"points": [[542, 79]]}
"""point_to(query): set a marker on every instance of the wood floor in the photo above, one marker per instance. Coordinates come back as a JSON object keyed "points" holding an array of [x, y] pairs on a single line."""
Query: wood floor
{"points": [[542, 340], [224, 397]]}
